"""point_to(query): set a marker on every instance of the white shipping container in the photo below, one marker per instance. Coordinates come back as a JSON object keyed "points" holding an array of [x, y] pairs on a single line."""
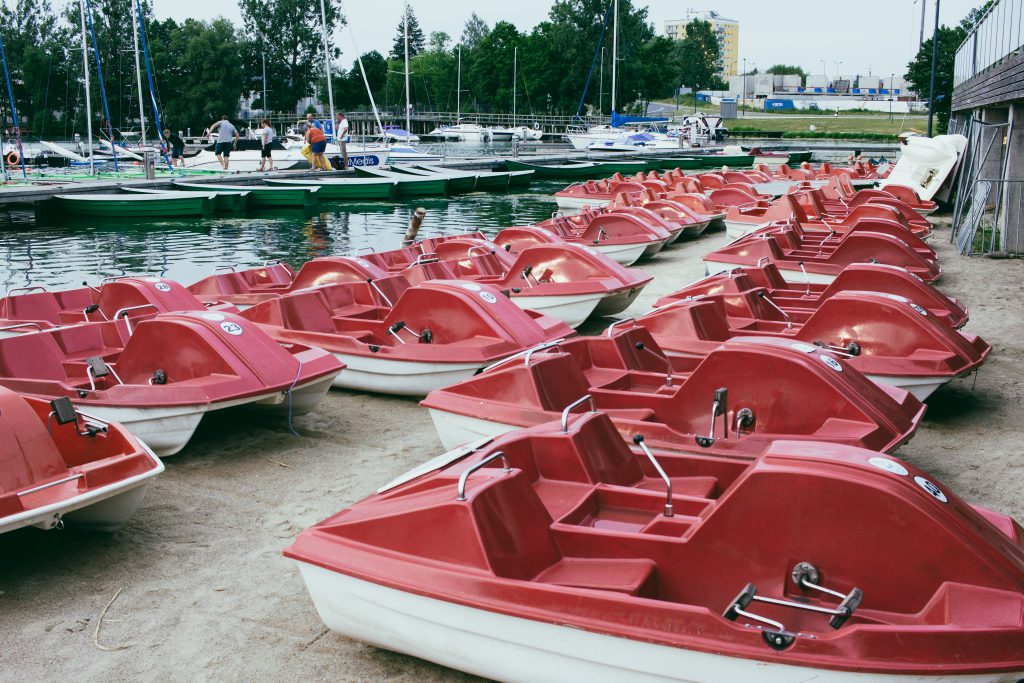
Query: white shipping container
{"points": [[818, 81]]}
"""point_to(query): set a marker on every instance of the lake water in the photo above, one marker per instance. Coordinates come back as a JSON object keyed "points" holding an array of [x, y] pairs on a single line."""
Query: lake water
{"points": [[63, 255]]}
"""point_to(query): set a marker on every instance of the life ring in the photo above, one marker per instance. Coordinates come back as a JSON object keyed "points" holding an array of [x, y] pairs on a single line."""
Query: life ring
{"points": [[13, 159]]}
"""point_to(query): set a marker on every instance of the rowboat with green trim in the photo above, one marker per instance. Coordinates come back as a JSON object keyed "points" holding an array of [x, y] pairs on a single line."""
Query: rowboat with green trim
{"points": [[458, 181], [585, 170], [408, 185], [260, 195], [132, 205], [224, 202], [343, 188]]}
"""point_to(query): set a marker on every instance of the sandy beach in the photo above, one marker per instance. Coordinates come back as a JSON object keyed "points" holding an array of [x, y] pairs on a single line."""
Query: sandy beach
{"points": [[206, 595]]}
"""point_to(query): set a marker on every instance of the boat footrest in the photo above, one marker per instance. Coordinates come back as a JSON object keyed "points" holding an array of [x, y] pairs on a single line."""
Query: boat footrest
{"points": [[636, 577]]}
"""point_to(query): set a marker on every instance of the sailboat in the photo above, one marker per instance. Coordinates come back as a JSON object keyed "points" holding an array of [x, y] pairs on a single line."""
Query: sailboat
{"points": [[400, 149], [521, 133], [463, 132]]}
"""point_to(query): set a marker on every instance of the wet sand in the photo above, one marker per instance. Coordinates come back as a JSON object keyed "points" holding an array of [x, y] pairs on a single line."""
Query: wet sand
{"points": [[206, 594]]}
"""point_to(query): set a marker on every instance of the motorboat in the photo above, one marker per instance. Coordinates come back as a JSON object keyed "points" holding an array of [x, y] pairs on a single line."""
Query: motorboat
{"points": [[58, 465], [671, 401], [406, 342], [567, 281], [559, 553], [463, 132], [119, 356], [817, 263], [527, 134], [407, 154], [400, 135], [887, 337], [794, 296]]}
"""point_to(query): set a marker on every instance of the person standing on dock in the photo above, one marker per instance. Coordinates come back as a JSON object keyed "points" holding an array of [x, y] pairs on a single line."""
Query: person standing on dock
{"points": [[341, 128], [177, 146], [227, 140], [318, 145], [266, 137]]}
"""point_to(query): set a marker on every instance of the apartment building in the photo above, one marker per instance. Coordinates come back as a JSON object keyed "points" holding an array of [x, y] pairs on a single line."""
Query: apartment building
{"points": [[726, 30]]}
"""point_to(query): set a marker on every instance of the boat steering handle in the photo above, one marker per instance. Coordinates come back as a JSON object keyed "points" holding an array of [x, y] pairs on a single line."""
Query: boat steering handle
{"points": [[473, 468]]}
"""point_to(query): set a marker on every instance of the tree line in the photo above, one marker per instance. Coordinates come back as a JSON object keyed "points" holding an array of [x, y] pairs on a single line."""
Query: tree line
{"points": [[201, 69]]}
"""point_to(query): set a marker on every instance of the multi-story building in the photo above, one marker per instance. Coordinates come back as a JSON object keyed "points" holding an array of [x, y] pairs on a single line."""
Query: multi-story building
{"points": [[726, 30]]}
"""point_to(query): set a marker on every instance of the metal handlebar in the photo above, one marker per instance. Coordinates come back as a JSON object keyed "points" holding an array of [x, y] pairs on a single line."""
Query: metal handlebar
{"points": [[568, 409], [426, 257], [14, 327], [379, 291], [31, 288], [123, 312], [639, 441], [485, 250], [43, 487], [615, 324], [764, 297], [527, 353], [473, 468], [227, 267]]}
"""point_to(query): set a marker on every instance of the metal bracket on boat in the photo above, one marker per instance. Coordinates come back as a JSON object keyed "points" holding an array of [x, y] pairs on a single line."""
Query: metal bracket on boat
{"points": [[527, 274], [476, 247], [473, 468], [568, 409], [112, 278], [718, 407], [640, 346], [764, 297], [527, 354], [92, 308], [42, 487], [123, 313], [761, 261], [229, 267], [85, 283], [32, 288], [807, 278], [19, 325], [95, 368], [744, 418], [850, 350], [398, 327], [272, 262], [369, 249], [778, 638], [639, 441], [426, 257], [601, 234], [611, 328], [379, 291]]}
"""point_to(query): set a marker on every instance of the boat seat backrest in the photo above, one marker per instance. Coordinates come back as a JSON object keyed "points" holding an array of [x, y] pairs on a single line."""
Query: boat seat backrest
{"points": [[308, 311], [558, 380], [707, 321], [271, 274], [31, 306], [432, 270], [28, 455], [604, 452], [32, 356], [222, 283]]}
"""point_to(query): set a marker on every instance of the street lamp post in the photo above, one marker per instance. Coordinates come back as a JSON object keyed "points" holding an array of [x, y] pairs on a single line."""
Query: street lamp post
{"points": [[935, 57], [892, 78], [837, 69], [744, 86]]}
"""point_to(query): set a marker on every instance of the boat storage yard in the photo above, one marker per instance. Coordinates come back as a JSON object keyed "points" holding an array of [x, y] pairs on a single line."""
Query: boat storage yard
{"points": [[740, 327]]}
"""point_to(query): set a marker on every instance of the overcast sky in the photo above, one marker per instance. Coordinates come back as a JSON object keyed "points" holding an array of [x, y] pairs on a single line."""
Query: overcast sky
{"points": [[880, 35]]}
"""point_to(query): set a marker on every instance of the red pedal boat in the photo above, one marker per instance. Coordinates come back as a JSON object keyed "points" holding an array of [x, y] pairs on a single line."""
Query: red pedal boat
{"points": [[887, 337], [595, 193], [155, 373], [750, 393], [429, 336], [801, 260], [56, 464], [795, 296], [557, 554]]}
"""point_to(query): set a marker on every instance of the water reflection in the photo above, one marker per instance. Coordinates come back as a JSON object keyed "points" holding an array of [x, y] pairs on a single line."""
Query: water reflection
{"points": [[63, 255]]}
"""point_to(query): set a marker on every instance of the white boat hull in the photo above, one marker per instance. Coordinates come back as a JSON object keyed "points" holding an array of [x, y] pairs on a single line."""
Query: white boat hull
{"points": [[571, 309], [509, 648], [104, 509], [737, 229], [625, 254], [574, 204], [617, 302], [399, 377], [920, 387], [454, 429]]}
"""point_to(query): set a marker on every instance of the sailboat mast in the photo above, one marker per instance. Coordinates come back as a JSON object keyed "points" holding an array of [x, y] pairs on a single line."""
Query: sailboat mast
{"points": [[458, 89], [615, 51], [515, 73], [88, 104], [327, 68], [136, 11], [405, 29]]}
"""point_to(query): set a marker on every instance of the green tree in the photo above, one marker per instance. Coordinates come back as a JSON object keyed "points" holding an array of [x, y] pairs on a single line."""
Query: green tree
{"points": [[475, 30], [490, 70], [290, 35], [417, 41], [42, 70], [439, 41], [696, 55], [784, 69], [919, 70]]}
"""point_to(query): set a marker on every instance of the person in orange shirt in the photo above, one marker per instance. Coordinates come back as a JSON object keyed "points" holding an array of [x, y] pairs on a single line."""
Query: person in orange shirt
{"points": [[318, 145]]}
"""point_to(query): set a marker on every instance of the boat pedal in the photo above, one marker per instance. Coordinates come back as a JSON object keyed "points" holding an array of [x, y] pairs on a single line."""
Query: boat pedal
{"points": [[159, 377], [718, 407]]}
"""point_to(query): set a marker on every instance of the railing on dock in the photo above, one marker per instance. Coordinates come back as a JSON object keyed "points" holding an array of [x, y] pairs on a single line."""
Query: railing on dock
{"points": [[997, 35]]}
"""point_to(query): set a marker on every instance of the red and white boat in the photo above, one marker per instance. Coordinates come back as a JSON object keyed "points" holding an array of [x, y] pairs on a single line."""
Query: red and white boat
{"points": [[568, 281], [57, 464], [752, 393], [558, 554], [594, 194], [157, 374], [887, 337], [818, 261], [428, 336], [795, 296]]}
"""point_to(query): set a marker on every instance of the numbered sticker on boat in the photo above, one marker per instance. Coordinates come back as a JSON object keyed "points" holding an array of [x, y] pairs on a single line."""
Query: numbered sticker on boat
{"points": [[831, 362], [488, 297], [231, 328], [931, 488], [163, 286], [471, 286], [889, 466], [919, 309], [806, 348], [212, 316]]}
